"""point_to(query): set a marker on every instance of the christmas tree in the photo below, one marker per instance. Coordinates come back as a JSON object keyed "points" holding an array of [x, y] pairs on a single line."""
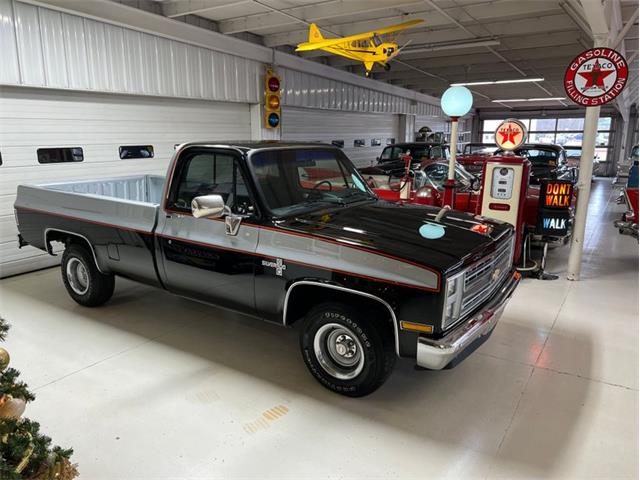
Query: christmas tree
{"points": [[25, 453]]}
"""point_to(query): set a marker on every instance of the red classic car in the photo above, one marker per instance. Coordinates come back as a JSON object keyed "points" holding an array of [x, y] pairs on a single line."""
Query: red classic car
{"points": [[427, 188], [474, 155]]}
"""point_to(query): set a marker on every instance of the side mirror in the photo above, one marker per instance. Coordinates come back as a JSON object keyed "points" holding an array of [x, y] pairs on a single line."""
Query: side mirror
{"points": [[475, 184], [209, 206]]}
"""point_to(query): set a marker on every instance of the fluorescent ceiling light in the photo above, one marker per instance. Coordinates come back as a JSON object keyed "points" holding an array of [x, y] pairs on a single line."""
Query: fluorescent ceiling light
{"points": [[498, 82], [544, 99]]}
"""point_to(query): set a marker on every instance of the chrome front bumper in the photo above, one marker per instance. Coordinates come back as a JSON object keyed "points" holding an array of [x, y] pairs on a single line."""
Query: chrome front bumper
{"points": [[437, 354]]}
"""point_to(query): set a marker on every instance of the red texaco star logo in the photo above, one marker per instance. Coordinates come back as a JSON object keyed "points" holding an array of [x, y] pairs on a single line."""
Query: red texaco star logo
{"points": [[595, 78], [509, 134]]}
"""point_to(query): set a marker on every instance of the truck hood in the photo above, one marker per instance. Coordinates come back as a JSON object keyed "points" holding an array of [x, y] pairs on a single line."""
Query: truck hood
{"points": [[396, 230]]}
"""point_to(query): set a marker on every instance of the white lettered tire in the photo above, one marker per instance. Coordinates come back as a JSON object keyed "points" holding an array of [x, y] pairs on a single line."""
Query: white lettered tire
{"points": [[347, 351]]}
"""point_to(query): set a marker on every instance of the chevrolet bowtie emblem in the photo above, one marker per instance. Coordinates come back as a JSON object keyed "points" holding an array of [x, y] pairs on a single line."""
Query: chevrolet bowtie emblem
{"points": [[496, 274]]}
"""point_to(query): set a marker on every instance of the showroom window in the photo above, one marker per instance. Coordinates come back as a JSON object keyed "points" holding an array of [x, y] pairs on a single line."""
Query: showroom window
{"points": [[136, 151], [60, 155], [562, 131]]}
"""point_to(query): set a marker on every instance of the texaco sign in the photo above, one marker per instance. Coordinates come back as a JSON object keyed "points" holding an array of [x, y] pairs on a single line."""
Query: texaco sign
{"points": [[596, 77], [510, 134]]}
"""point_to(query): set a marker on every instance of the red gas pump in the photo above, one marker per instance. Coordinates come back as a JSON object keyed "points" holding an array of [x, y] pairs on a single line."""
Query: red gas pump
{"points": [[504, 192]]}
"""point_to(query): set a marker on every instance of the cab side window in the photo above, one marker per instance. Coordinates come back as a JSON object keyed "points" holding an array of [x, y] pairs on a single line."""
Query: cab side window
{"points": [[210, 173]]}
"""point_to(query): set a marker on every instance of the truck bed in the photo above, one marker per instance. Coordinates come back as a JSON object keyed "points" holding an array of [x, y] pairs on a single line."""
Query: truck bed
{"points": [[129, 202]]}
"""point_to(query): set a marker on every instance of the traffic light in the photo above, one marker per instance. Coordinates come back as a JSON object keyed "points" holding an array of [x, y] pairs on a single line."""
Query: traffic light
{"points": [[271, 100]]}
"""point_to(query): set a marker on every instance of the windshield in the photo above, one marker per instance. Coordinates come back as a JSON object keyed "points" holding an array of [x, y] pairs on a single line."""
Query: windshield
{"points": [[482, 148], [297, 180], [539, 156], [573, 151], [438, 173], [417, 152]]}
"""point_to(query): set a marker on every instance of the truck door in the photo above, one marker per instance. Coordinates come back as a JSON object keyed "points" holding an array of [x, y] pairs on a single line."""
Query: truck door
{"points": [[198, 258]]}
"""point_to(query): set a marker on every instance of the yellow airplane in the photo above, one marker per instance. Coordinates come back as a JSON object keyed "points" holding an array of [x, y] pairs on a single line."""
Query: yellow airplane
{"points": [[369, 48]]}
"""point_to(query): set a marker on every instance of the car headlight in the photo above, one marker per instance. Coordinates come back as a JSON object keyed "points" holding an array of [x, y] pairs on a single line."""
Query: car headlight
{"points": [[453, 300]]}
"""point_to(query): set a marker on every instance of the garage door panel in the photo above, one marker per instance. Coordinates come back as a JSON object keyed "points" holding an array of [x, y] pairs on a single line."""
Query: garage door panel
{"points": [[99, 124], [300, 124]]}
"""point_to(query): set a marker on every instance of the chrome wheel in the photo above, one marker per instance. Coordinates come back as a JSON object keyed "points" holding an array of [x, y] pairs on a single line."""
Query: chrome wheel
{"points": [[338, 351], [78, 276]]}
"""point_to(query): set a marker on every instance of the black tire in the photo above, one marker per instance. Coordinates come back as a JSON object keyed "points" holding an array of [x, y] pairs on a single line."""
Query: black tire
{"points": [[334, 321], [82, 279]]}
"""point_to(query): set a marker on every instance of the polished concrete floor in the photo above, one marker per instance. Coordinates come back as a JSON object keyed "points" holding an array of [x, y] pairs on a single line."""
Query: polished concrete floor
{"points": [[152, 386]]}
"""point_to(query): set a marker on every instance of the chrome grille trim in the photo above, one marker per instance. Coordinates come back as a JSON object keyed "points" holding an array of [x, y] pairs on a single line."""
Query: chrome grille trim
{"points": [[478, 282]]}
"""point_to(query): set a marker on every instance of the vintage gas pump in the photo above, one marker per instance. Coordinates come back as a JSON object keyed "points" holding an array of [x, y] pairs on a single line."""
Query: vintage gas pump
{"points": [[506, 180]]}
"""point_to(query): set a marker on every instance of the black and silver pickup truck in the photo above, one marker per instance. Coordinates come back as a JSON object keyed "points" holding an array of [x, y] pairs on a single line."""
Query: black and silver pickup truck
{"points": [[288, 233]]}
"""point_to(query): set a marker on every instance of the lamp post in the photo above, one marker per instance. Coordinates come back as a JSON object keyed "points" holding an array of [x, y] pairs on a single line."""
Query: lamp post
{"points": [[456, 102]]}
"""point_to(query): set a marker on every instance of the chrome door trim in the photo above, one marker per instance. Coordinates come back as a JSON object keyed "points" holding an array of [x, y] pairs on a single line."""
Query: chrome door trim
{"points": [[47, 244], [349, 290]]}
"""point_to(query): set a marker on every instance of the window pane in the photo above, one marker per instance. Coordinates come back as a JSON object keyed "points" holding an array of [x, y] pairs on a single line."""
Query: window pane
{"points": [[60, 155], [602, 139], [543, 124], [376, 142], [573, 138], [210, 174], [604, 123], [541, 137], [136, 151], [490, 125], [359, 142], [488, 138], [338, 143], [571, 124]]}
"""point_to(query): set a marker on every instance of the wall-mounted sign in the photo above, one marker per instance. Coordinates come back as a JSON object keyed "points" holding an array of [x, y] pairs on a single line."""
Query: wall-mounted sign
{"points": [[596, 77], [510, 134], [554, 208], [553, 223], [555, 194]]}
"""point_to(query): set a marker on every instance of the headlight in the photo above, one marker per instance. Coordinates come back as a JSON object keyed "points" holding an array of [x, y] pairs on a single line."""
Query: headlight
{"points": [[453, 300]]}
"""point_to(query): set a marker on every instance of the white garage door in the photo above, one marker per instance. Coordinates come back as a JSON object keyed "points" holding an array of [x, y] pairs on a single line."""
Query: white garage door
{"points": [[99, 124], [371, 130]]}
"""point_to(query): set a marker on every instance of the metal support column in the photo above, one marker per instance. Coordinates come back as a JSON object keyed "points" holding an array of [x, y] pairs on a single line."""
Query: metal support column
{"points": [[584, 190]]}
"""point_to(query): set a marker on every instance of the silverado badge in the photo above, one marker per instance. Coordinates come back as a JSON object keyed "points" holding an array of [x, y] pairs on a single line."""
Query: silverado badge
{"points": [[278, 265]]}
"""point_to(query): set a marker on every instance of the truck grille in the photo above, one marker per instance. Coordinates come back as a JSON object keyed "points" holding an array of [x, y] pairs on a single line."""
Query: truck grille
{"points": [[483, 278]]}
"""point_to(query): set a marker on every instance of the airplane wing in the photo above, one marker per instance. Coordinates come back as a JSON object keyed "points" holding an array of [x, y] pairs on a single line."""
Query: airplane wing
{"points": [[329, 42]]}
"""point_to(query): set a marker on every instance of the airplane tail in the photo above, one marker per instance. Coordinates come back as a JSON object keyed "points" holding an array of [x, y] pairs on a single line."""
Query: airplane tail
{"points": [[314, 34]]}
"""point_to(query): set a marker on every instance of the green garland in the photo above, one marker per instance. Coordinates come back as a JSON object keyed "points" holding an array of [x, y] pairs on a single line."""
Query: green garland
{"points": [[4, 328], [9, 385]]}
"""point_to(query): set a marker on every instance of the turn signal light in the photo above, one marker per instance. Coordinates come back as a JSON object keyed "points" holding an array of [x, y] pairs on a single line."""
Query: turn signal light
{"points": [[416, 327]]}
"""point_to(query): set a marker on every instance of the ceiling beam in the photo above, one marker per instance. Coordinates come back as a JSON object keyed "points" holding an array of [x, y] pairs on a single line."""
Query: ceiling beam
{"points": [[177, 8], [314, 12]]}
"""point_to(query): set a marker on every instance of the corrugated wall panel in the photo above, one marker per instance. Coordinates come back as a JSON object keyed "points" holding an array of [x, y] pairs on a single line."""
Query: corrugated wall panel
{"points": [[312, 125], [76, 52], [55, 60], [10, 71], [99, 123], [29, 44]]}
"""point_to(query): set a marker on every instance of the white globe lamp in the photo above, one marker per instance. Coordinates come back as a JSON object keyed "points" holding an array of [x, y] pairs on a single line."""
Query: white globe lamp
{"points": [[456, 102]]}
